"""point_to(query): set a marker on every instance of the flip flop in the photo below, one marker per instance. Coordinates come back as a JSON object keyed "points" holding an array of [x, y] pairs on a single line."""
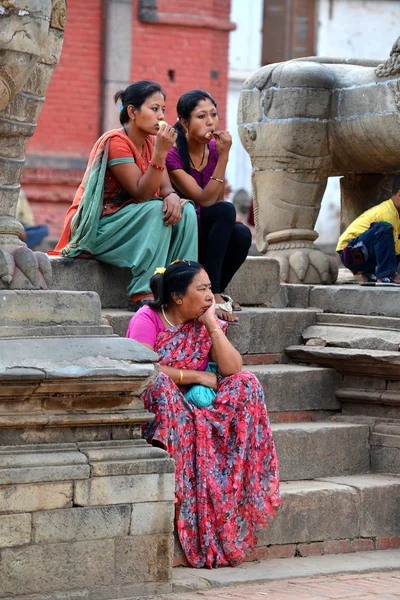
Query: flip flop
{"points": [[235, 306], [367, 283]]}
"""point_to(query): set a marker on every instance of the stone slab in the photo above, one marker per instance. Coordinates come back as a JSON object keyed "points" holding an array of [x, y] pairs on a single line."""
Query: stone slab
{"points": [[256, 282], [126, 457], [313, 450], [35, 464], [380, 503], [152, 517], [259, 330], [35, 496], [297, 387], [48, 307], [85, 358], [15, 530], [127, 489], [357, 300], [377, 363], [385, 459], [354, 337], [298, 294], [80, 524], [143, 558], [186, 579], [45, 568], [309, 513], [362, 320]]}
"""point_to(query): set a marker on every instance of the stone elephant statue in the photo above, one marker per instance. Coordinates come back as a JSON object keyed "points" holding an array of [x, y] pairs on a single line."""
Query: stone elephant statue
{"points": [[31, 36], [302, 121]]}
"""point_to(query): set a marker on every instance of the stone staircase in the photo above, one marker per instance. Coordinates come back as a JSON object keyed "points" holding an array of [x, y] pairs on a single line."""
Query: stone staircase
{"points": [[333, 501]]}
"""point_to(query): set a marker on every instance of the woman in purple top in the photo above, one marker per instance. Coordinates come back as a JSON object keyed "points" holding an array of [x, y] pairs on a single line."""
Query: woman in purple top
{"points": [[196, 166]]}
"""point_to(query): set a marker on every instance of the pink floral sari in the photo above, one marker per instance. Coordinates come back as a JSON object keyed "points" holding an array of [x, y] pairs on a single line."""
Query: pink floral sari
{"points": [[227, 480]]}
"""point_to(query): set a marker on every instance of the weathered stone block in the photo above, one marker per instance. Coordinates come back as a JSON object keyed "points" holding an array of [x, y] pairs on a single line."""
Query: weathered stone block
{"points": [[309, 513], [250, 102], [125, 489], [257, 282], [48, 307], [297, 387], [15, 530], [75, 524], [35, 496], [309, 103], [311, 450], [56, 567], [29, 464], [143, 558], [298, 295], [152, 517], [379, 503], [269, 330], [354, 337], [356, 300]]}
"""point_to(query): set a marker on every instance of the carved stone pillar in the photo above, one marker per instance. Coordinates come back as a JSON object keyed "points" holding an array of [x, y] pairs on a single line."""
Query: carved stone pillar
{"points": [[31, 37]]}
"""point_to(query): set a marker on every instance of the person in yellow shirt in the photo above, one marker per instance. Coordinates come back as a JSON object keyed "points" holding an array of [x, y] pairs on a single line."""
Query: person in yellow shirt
{"points": [[371, 245]]}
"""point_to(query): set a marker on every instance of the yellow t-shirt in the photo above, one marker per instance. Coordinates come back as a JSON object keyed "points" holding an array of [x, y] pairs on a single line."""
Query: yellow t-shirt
{"points": [[385, 211]]}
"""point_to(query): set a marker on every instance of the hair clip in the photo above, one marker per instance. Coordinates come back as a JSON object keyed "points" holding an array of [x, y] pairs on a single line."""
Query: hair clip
{"points": [[174, 262], [160, 271]]}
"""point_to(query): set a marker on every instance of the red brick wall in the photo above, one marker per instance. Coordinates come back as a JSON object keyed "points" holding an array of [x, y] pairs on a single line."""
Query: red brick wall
{"points": [[191, 52], [70, 121]]}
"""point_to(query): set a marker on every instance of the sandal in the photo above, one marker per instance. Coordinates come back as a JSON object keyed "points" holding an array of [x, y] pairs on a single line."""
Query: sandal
{"points": [[234, 305]]}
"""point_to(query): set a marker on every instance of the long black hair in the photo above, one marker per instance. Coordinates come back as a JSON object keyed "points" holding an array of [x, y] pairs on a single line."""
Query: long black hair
{"points": [[136, 94], [186, 105], [176, 279]]}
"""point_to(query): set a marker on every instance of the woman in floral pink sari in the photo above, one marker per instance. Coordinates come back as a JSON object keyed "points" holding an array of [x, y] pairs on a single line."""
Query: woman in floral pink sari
{"points": [[227, 480]]}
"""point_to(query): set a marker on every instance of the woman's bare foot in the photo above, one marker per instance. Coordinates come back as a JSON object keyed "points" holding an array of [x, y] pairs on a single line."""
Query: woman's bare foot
{"points": [[222, 312]]}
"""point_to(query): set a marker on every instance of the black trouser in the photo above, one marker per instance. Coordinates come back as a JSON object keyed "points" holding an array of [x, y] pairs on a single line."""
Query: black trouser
{"points": [[226, 243]]}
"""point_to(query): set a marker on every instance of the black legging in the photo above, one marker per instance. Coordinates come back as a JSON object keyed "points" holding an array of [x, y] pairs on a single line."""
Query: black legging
{"points": [[226, 243]]}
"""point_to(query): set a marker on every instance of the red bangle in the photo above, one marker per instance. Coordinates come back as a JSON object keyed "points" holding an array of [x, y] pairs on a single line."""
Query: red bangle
{"points": [[151, 164]]}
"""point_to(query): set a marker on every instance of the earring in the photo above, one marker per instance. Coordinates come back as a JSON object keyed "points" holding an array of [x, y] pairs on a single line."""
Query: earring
{"points": [[179, 301]]}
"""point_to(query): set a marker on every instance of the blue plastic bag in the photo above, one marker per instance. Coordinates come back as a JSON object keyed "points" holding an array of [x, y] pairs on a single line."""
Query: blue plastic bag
{"points": [[200, 395]]}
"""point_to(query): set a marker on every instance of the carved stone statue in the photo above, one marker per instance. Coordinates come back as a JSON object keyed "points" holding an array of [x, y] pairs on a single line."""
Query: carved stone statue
{"points": [[31, 36], [303, 121]]}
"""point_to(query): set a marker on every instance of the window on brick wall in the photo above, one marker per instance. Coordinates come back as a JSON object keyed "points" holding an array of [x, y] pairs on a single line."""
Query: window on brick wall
{"points": [[288, 30]]}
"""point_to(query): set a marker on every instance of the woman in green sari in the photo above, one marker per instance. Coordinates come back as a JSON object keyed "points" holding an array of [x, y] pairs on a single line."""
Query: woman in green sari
{"points": [[125, 212]]}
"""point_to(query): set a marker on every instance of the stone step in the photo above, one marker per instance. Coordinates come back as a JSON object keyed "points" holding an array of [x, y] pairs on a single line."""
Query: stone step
{"points": [[259, 331], [333, 508], [353, 337], [273, 569], [368, 321], [322, 449], [289, 388], [376, 363], [256, 283], [356, 300], [331, 515]]}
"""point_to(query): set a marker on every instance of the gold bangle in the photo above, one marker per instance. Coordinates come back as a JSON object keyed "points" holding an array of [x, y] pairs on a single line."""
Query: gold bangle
{"points": [[180, 377], [182, 204], [214, 330]]}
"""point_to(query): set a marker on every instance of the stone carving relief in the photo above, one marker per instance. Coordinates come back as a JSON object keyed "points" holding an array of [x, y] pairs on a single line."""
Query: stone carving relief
{"points": [[303, 121], [31, 35]]}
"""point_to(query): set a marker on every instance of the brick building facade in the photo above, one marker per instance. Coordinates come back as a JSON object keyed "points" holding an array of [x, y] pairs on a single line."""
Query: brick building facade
{"points": [[107, 45]]}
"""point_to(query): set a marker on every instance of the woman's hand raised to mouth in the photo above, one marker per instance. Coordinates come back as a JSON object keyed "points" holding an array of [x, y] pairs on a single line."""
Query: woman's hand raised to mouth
{"points": [[208, 317]]}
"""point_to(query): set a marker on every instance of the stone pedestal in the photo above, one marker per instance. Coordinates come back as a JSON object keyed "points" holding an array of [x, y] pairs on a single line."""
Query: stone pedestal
{"points": [[86, 505]]}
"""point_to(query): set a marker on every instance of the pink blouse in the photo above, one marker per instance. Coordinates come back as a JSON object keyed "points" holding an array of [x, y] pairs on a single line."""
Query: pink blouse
{"points": [[145, 326]]}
